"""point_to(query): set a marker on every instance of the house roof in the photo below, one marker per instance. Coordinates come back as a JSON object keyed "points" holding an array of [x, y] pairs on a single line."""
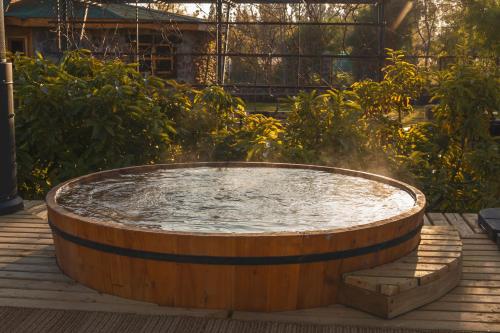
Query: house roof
{"points": [[26, 9]]}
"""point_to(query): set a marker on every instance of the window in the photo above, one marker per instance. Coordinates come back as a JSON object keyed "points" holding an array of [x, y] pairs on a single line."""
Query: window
{"points": [[163, 60], [17, 45], [156, 56]]}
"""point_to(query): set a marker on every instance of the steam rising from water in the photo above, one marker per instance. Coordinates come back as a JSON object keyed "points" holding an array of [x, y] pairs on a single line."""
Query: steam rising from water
{"points": [[236, 200]]}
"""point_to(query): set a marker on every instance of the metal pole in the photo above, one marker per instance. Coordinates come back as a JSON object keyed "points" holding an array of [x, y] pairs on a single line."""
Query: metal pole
{"points": [[299, 50], [82, 32], [66, 25], [137, 59], [58, 29], [219, 42], [9, 200], [381, 37], [3, 46], [226, 44]]}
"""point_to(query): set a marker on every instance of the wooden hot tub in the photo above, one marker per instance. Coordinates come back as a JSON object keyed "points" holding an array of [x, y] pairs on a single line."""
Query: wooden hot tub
{"points": [[259, 271]]}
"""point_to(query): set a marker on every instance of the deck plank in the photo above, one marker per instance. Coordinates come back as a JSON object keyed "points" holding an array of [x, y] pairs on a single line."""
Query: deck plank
{"points": [[33, 234], [68, 286], [26, 240], [28, 260], [479, 283], [28, 225], [481, 235], [439, 236], [14, 267], [471, 219], [27, 253], [438, 219], [476, 291], [326, 316], [25, 231], [459, 223], [475, 263], [426, 220], [55, 277], [149, 309]]}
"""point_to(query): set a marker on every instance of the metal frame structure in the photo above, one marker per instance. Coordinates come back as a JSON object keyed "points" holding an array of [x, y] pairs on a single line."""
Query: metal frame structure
{"points": [[222, 53], [222, 24]]}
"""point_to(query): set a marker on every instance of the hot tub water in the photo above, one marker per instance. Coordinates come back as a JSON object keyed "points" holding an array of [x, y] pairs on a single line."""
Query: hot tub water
{"points": [[236, 200]]}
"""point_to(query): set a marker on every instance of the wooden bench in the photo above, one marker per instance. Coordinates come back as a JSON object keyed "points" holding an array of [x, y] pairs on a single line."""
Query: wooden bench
{"points": [[423, 276]]}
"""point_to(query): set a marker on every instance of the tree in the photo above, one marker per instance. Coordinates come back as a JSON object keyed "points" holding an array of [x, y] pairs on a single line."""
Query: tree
{"points": [[482, 21]]}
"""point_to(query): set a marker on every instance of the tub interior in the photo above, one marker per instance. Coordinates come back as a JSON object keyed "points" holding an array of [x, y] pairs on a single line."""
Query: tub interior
{"points": [[236, 200]]}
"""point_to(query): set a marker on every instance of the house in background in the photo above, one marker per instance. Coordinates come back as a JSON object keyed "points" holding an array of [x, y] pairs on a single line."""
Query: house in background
{"points": [[109, 31]]}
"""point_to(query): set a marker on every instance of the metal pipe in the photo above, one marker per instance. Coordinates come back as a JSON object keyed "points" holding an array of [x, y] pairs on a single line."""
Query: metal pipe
{"points": [[265, 86], [66, 25], [226, 22], [381, 38], [58, 29], [288, 55], [9, 200], [82, 32], [3, 46], [220, 55], [299, 50], [226, 44], [352, 2], [137, 59]]}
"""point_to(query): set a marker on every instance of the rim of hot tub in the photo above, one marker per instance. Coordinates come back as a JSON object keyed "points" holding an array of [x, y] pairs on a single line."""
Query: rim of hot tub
{"points": [[417, 195]]}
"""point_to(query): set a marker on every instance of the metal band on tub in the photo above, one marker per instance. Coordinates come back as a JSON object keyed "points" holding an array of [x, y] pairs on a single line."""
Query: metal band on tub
{"points": [[237, 261]]}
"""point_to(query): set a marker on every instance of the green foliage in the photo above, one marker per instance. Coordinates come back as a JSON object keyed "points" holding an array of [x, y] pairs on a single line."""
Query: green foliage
{"points": [[216, 127], [84, 115], [402, 83], [455, 160], [482, 20], [468, 27], [259, 138], [325, 128], [467, 96], [384, 104], [212, 113]]}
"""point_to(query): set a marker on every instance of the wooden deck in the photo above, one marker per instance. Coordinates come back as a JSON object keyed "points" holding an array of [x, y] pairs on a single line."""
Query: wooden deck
{"points": [[30, 279]]}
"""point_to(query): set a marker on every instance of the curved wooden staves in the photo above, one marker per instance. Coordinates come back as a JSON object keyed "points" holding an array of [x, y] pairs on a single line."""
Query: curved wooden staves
{"points": [[257, 272]]}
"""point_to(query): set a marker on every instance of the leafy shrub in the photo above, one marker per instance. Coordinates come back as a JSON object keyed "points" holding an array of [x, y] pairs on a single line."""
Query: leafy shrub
{"points": [[216, 127], [259, 138], [455, 161], [325, 128], [402, 83], [212, 111], [83, 115], [469, 160]]}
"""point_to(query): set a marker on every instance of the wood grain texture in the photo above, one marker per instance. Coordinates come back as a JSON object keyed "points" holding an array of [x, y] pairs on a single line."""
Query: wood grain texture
{"points": [[234, 287], [437, 219], [408, 283], [457, 313]]}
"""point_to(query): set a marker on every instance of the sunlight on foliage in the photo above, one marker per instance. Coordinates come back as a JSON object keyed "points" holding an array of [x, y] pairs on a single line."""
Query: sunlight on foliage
{"points": [[84, 115]]}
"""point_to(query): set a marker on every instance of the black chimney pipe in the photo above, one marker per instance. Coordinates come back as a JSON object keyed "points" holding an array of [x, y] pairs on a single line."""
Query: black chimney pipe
{"points": [[10, 201]]}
